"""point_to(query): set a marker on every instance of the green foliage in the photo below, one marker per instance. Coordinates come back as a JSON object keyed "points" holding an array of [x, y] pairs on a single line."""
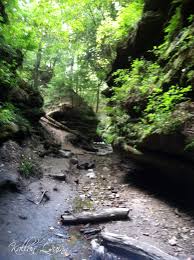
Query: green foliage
{"points": [[113, 31], [139, 81], [26, 167], [10, 114], [174, 44], [159, 113], [174, 24], [7, 114], [7, 76], [141, 90]]}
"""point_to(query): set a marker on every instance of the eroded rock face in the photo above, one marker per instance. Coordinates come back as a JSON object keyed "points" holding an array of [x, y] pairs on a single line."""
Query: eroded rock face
{"points": [[176, 64], [77, 116], [148, 34], [26, 102]]}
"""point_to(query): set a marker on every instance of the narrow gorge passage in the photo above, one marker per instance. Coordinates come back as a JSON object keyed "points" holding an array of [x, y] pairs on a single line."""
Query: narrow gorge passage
{"points": [[30, 230], [97, 129]]}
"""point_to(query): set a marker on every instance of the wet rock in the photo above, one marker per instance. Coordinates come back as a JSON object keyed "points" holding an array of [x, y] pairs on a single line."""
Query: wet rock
{"points": [[91, 174], [82, 197], [173, 241], [86, 165], [74, 161], [10, 152], [61, 176]]}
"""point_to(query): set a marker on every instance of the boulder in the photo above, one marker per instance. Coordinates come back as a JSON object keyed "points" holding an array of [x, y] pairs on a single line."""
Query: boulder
{"points": [[77, 116]]}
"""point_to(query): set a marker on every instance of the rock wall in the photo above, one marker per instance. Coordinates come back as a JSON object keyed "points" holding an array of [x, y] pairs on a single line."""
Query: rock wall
{"points": [[177, 66], [77, 115], [20, 104]]}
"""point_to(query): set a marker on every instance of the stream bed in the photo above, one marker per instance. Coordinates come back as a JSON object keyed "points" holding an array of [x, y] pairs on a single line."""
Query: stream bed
{"points": [[30, 231]]}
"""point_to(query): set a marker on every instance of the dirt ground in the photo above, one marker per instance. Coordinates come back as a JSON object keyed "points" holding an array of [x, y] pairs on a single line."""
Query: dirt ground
{"points": [[156, 217]]}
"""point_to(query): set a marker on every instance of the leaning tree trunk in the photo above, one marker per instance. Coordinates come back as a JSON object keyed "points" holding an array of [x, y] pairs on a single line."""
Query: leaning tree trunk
{"points": [[37, 65]]}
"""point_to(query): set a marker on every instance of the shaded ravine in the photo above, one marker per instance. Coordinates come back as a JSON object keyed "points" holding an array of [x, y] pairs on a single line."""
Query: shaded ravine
{"points": [[34, 231]]}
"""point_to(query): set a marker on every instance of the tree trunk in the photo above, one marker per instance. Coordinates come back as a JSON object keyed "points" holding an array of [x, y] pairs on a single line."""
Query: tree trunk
{"points": [[98, 97], [37, 65]]}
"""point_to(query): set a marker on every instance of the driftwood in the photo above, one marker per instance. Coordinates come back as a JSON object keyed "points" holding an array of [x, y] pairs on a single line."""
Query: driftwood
{"points": [[44, 195], [134, 249], [94, 217]]}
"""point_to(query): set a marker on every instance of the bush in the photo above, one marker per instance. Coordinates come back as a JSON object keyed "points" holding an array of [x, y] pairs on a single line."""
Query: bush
{"points": [[7, 114], [143, 84], [26, 167]]}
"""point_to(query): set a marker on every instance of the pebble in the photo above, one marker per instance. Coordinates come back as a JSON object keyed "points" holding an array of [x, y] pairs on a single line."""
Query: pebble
{"points": [[185, 230], [91, 175], [146, 234], [82, 197], [173, 241], [106, 169], [51, 228]]}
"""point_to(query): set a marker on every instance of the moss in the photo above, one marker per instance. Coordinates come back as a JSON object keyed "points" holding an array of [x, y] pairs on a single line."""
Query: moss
{"points": [[80, 204]]}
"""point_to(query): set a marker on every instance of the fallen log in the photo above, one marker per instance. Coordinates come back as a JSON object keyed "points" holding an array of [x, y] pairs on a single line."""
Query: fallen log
{"points": [[134, 249], [94, 217], [49, 120]]}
